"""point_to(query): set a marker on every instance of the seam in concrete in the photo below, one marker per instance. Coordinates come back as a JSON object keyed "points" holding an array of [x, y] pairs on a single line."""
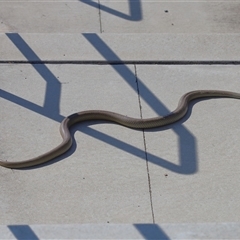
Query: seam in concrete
{"points": [[148, 174], [109, 62], [145, 146], [100, 17]]}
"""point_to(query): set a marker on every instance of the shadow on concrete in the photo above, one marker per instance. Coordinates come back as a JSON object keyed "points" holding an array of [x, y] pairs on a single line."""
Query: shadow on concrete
{"points": [[186, 141], [53, 86], [148, 231], [151, 231], [135, 9], [22, 232], [187, 145], [85, 127], [31, 106]]}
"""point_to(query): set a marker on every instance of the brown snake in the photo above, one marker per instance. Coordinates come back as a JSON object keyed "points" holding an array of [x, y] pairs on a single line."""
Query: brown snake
{"points": [[177, 114]]}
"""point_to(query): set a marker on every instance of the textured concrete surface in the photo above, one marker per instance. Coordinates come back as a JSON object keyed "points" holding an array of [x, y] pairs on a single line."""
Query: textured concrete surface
{"points": [[89, 183], [107, 180], [122, 231], [193, 164], [119, 16], [119, 47], [47, 17], [183, 177], [171, 17]]}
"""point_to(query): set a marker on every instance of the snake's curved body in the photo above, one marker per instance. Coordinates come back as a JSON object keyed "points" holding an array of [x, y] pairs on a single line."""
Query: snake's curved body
{"points": [[177, 114]]}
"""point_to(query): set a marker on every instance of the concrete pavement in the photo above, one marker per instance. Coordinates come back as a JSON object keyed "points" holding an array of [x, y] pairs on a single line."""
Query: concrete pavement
{"points": [[177, 182]]}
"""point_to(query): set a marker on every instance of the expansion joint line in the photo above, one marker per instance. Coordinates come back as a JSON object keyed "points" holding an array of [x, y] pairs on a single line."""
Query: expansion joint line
{"points": [[119, 62], [145, 145], [100, 17]]}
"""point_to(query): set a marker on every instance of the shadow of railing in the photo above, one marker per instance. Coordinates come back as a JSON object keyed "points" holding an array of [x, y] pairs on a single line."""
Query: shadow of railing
{"points": [[186, 141], [148, 232], [187, 146], [53, 86], [135, 9], [151, 231], [21, 232]]}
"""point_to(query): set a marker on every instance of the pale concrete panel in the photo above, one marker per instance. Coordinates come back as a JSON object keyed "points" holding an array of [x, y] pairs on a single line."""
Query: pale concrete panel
{"points": [[123, 231], [172, 17], [103, 178], [126, 47], [48, 17], [193, 164]]}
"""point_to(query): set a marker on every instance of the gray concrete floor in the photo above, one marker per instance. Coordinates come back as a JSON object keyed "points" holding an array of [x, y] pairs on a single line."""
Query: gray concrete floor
{"points": [[180, 181]]}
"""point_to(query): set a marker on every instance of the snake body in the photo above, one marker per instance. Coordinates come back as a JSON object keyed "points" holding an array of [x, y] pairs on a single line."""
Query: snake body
{"points": [[177, 114]]}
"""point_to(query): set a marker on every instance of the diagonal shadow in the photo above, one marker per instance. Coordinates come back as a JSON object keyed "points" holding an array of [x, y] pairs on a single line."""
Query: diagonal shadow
{"points": [[22, 232], [148, 231], [186, 141], [135, 9], [51, 108], [151, 231], [53, 86], [85, 128], [140, 153], [31, 106]]}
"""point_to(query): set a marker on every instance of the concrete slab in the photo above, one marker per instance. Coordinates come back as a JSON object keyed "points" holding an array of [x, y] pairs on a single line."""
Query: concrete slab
{"points": [[104, 176], [170, 17], [48, 17], [192, 169], [122, 231], [193, 164], [119, 47], [189, 179]]}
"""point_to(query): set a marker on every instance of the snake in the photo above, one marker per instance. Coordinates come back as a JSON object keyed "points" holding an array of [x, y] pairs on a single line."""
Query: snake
{"points": [[126, 121]]}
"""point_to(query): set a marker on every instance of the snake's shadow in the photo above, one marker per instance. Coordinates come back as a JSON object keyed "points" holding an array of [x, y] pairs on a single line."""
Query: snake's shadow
{"points": [[85, 127]]}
